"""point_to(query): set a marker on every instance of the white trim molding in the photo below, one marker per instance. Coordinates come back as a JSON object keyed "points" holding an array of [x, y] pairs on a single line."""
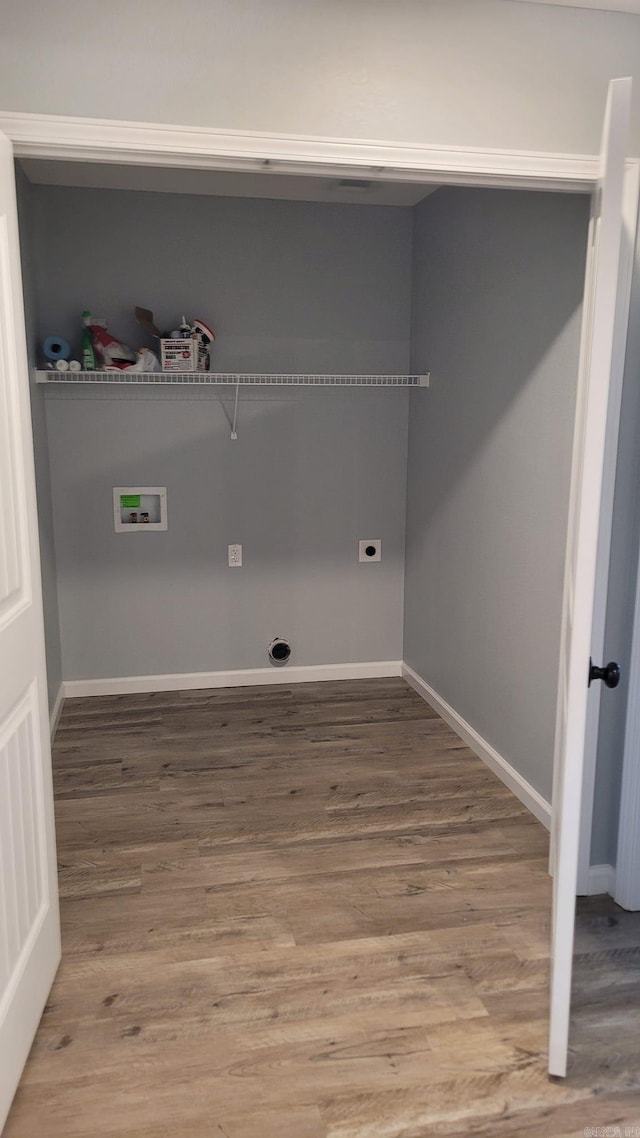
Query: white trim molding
{"points": [[153, 144], [245, 677], [523, 790], [600, 879], [56, 711]]}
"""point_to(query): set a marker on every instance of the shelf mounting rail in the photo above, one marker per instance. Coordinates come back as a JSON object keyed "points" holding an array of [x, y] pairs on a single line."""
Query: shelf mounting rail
{"points": [[212, 378]]}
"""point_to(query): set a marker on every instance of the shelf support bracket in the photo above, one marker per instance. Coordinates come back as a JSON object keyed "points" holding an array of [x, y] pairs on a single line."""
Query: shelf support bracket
{"points": [[234, 433]]}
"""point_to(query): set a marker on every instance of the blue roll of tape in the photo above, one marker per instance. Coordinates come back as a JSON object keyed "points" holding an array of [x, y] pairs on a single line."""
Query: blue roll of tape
{"points": [[56, 348]]}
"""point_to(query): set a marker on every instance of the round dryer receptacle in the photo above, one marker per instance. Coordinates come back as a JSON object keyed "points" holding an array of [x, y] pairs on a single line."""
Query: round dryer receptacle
{"points": [[279, 651]]}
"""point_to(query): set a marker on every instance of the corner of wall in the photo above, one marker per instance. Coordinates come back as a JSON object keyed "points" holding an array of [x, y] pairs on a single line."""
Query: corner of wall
{"points": [[41, 451]]}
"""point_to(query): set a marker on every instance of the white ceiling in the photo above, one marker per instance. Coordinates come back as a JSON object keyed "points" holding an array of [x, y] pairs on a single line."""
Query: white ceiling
{"points": [[227, 183]]}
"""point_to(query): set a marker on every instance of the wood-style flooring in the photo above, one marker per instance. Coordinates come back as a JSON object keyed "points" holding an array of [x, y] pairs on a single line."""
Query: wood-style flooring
{"points": [[311, 912]]}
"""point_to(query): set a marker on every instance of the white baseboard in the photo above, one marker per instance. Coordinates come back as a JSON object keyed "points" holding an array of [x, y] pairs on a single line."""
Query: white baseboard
{"points": [[601, 879], [183, 681], [56, 711], [522, 789]]}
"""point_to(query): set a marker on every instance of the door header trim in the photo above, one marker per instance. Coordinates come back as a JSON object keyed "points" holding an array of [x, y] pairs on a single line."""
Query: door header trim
{"points": [[149, 144]]}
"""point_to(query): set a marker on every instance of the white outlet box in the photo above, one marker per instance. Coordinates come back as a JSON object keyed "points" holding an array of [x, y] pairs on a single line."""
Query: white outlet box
{"points": [[370, 549], [235, 556]]}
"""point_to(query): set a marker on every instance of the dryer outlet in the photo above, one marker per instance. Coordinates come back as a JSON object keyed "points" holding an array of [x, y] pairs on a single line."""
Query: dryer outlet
{"points": [[370, 549]]}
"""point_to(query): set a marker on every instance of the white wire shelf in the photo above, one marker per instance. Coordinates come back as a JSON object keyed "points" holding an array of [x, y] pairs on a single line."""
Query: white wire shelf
{"points": [[212, 378]]}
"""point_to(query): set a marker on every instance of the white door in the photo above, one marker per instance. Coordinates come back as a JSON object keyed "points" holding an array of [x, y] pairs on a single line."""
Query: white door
{"points": [[29, 923], [597, 349]]}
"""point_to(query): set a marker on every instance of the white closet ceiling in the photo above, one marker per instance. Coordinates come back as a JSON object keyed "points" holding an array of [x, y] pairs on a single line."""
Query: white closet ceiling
{"points": [[226, 183]]}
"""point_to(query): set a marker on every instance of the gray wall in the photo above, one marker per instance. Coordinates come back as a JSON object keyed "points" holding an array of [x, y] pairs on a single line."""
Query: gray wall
{"points": [[462, 72], [286, 285], [498, 281], [41, 448]]}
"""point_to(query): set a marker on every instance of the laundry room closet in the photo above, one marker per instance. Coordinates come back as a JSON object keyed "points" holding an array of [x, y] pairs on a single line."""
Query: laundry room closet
{"points": [[462, 486]]}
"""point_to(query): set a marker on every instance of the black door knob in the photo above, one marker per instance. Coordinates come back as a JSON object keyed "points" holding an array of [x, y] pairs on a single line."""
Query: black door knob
{"points": [[610, 673]]}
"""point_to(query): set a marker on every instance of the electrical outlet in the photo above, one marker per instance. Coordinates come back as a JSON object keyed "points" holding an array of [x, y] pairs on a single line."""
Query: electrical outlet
{"points": [[370, 549], [235, 556]]}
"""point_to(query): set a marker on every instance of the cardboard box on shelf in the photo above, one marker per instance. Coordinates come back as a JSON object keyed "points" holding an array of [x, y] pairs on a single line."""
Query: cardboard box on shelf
{"points": [[179, 355]]}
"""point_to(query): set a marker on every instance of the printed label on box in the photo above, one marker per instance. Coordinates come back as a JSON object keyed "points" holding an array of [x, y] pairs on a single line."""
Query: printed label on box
{"points": [[179, 355]]}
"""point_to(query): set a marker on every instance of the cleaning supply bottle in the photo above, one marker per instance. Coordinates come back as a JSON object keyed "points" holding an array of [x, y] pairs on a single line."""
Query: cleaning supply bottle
{"points": [[88, 354]]}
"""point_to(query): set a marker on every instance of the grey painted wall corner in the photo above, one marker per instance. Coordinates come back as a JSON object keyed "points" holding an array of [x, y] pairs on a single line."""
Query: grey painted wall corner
{"points": [[41, 448], [498, 281]]}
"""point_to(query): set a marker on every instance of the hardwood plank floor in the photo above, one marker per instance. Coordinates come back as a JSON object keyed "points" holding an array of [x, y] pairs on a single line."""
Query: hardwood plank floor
{"points": [[311, 912]]}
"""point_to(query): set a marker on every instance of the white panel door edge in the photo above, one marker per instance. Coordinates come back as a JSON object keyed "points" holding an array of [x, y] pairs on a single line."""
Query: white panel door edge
{"points": [[596, 361], [630, 193], [29, 921]]}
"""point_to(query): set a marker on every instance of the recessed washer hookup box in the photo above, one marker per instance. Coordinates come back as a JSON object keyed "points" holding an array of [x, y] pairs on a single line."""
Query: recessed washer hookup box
{"points": [[139, 509]]}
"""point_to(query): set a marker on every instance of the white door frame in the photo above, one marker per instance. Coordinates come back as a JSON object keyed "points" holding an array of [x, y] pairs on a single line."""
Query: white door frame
{"points": [[145, 144]]}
